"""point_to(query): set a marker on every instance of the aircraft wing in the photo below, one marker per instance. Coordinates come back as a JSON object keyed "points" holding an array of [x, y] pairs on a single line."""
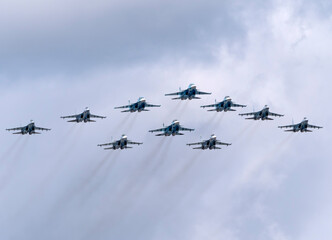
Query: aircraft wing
{"points": [[106, 144], [72, 116], [151, 105], [202, 93], [211, 105], [313, 126], [197, 143], [186, 129], [42, 129], [157, 130], [13, 129], [126, 106], [137, 143], [288, 126], [238, 105], [248, 114], [222, 143], [174, 94], [275, 114], [96, 116]]}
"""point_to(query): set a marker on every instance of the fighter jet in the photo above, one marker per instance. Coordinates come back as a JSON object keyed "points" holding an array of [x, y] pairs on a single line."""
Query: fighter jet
{"points": [[139, 106], [262, 114], [28, 129], [209, 144], [119, 144], [83, 117], [189, 93], [302, 126], [172, 129], [225, 105]]}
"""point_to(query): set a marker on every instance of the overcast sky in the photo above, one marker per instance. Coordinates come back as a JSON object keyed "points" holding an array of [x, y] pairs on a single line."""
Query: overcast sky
{"points": [[58, 57]]}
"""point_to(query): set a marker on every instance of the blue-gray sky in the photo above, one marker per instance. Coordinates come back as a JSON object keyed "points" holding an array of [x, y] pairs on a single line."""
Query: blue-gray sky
{"points": [[57, 57]]}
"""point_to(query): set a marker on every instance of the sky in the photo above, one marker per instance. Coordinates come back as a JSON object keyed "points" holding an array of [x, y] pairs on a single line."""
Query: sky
{"points": [[58, 57]]}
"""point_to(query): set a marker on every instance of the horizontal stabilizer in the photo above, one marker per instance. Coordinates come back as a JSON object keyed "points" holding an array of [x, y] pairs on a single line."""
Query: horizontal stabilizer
{"points": [[176, 98], [196, 98], [179, 133], [89, 120], [212, 110], [290, 130], [17, 133], [269, 119], [251, 118], [217, 148], [109, 148], [35, 132], [160, 134], [307, 130], [126, 111], [197, 148], [128, 147], [72, 121], [231, 109]]}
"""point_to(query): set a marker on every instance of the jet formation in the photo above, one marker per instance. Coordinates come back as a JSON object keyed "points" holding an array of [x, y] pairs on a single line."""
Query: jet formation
{"points": [[174, 129]]}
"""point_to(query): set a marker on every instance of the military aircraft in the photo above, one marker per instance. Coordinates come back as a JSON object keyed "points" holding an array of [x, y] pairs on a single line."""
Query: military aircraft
{"points": [[172, 129], [139, 106], [262, 114], [302, 126], [189, 93], [225, 105], [209, 144], [83, 117], [119, 144], [28, 129]]}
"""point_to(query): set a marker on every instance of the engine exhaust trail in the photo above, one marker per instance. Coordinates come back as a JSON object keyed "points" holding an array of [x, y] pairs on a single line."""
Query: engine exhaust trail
{"points": [[242, 132], [128, 127], [10, 150], [120, 125], [16, 158], [182, 172], [142, 172], [100, 174], [182, 110]]}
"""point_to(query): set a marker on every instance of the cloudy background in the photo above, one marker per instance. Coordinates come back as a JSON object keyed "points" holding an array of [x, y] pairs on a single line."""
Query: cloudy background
{"points": [[57, 57]]}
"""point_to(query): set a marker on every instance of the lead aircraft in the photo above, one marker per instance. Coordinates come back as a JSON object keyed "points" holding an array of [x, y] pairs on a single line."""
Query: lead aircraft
{"points": [[190, 93]]}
